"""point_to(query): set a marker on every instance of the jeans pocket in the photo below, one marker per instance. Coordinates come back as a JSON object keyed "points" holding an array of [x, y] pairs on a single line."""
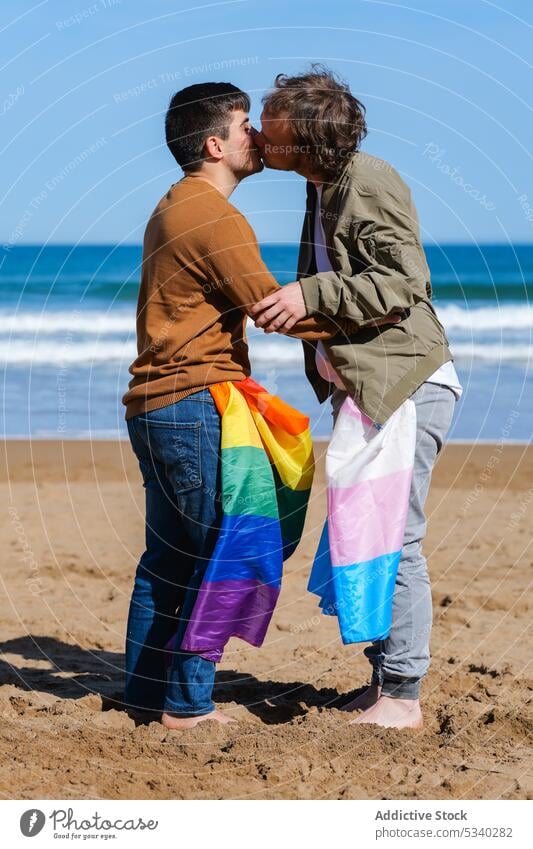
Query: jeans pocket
{"points": [[177, 446]]}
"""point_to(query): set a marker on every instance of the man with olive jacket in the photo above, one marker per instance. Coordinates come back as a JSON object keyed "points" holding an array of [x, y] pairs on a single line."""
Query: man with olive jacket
{"points": [[361, 259]]}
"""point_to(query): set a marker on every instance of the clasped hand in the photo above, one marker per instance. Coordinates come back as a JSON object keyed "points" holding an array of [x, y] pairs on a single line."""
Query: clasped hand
{"points": [[279, 312]]}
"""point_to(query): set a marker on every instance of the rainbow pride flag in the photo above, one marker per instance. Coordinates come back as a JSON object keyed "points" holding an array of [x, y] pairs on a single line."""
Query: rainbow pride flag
{"points": [[368, 475], [267, 472]]}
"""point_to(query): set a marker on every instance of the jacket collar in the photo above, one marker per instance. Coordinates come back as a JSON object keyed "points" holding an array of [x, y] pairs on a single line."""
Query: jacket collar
{"points": [[330, 187]]}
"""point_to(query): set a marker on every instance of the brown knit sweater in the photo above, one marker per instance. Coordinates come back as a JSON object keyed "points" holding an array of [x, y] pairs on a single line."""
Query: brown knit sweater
{"points": [[201, 270]]}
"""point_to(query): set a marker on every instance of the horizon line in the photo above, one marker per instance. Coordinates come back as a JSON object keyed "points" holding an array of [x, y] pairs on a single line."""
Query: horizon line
{"points": [[474, 244]]}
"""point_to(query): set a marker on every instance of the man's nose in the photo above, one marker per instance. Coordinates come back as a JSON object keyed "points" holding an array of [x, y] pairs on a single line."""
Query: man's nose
{"points": [[257, 137]]}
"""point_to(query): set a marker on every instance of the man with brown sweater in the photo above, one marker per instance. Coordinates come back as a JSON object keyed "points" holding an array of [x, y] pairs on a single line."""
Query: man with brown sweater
{"points": [[201, 273]]}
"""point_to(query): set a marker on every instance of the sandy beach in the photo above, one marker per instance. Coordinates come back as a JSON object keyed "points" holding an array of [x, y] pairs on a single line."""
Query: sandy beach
{"points": [[72, 535]]}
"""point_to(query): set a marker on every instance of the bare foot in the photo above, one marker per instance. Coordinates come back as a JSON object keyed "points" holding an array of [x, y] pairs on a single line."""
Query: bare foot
{"points": [[364, 700], [182, 723], [392, 713]]}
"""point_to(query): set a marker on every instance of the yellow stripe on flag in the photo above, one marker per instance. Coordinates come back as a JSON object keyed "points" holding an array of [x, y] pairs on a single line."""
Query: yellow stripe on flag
{"points": [[291, 454], [240, 428]]}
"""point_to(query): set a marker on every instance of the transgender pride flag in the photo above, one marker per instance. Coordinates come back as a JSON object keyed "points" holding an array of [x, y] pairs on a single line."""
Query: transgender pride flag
{"points": [[368, 474]]}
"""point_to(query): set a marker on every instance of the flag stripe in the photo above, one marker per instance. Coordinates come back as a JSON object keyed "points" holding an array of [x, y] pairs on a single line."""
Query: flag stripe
{"points": [[248, 482], [357, 512], [359, 594]]}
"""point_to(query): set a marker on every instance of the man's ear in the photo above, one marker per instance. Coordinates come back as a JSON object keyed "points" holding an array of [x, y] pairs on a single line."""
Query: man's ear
{"points": [[213, 148]]}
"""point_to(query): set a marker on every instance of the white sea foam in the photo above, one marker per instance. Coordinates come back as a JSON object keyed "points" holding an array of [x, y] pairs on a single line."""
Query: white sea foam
{"points": [[493, 353], [62, 353], [287, 351], [86, 337], [75, 321], [282, 353], [516, 317], [99, 323]]}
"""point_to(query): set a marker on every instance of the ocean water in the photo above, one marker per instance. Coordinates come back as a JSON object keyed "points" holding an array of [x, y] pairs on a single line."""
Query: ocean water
{"points": [[67, 333]]}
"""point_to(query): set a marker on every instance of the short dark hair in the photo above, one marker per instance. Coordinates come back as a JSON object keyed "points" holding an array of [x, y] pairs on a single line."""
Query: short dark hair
{"points": [[196, 112], [324, 116]]}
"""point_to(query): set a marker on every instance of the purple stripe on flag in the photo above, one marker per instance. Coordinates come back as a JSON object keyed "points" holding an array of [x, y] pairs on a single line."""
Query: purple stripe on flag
{"points": [[229, 608]]}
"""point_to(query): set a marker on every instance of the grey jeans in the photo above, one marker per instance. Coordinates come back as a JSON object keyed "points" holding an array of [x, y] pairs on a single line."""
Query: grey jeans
{"points": [[401, 661]]}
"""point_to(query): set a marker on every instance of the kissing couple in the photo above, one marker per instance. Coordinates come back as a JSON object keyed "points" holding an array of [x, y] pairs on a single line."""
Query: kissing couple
{"points": [[226, 466]]}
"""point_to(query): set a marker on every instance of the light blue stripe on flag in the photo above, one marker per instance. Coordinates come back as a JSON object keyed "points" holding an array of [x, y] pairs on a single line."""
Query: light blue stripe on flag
{"points": [[360, 594]]}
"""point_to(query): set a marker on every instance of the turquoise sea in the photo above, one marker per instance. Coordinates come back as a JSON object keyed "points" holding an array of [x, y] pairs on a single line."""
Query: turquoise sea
{"points": [[67, 332]]}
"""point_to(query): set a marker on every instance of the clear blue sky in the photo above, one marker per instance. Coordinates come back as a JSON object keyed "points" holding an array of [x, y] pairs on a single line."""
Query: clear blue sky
{"points": [[85, 86]]}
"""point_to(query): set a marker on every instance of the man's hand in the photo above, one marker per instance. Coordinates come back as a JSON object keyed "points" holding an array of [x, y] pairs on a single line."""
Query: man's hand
{"points": [[279, 312]]}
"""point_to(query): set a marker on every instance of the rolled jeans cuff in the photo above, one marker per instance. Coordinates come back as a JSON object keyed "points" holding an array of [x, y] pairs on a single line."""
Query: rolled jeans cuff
{"points": [[172, 710], [377, 676], [401, 688]]}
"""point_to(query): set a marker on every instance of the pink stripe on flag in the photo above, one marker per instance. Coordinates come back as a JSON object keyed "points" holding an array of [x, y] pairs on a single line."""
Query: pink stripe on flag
{"points": [[367, 520], [352, 410]]}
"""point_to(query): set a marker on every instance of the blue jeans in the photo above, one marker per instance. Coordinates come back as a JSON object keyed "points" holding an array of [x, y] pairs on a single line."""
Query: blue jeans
{"points": [[178, 448]]}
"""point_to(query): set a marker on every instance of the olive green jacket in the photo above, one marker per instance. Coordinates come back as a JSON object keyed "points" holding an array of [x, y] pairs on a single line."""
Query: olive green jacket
{"points": [[373, 244]]}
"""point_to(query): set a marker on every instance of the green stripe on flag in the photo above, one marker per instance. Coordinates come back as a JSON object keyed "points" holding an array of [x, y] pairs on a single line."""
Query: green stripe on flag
{"points": [[247, 483]]}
